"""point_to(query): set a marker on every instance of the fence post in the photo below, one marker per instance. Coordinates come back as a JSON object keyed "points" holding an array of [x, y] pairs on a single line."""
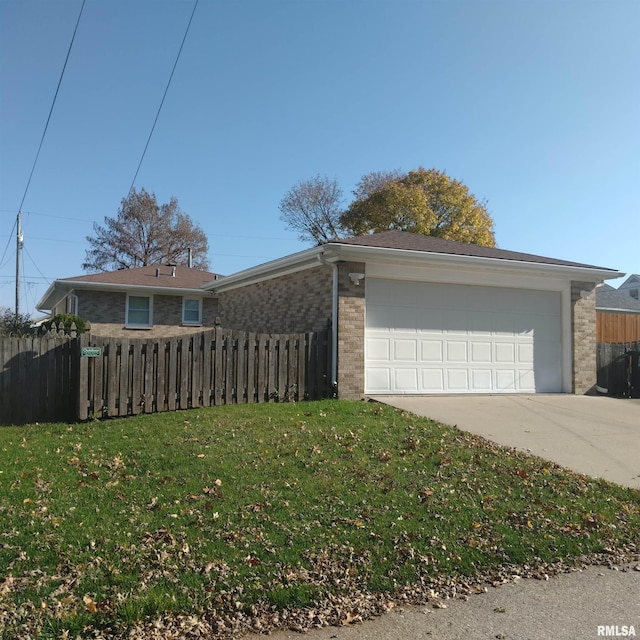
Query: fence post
{"points": [[82, 379]]}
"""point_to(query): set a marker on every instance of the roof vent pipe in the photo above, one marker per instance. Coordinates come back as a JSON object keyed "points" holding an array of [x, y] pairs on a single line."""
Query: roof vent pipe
{"points": [[173, 272], [157, 272], [190, 258]]}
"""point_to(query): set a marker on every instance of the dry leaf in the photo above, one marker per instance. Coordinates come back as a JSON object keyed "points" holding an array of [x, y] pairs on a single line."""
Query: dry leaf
{"points": [[90, 604]]}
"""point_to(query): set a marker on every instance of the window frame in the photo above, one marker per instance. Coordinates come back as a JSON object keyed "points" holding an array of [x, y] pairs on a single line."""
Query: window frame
{"points": [[192, 323], [71, 304], [137, 325]]}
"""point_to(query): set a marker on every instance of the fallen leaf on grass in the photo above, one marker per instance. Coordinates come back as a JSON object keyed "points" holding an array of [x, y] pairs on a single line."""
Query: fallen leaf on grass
{"points": [[90, 604]]}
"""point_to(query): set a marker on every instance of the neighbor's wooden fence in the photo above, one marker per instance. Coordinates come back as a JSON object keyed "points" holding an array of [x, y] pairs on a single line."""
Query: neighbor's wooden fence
{"points": [[48, 378], [617, 327], [38, 378], [214, 367], [613, 366]]}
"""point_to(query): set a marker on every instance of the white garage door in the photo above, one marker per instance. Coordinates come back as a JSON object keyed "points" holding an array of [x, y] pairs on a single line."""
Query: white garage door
{"points": [[441, 338]]}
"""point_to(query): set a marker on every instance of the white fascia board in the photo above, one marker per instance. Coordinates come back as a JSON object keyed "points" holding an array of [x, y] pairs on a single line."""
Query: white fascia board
{"points": [[379, 254], [274, 269]]}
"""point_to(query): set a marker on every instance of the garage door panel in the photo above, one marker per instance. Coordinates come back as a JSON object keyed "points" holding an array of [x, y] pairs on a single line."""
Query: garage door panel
{"points": [[525, 353], [378, 379], [457, 380], [455, 323], [432, 380], [504, 353], [378, 348], [436, 338], [482, 380], [406, 380], [481, 352], [456, 351], [405, 350], [505, 380], [481, 323], [431, 350], [431, 321]]}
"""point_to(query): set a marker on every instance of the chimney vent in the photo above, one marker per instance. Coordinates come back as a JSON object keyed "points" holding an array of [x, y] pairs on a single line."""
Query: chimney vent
{"points": [[157, 272], [173, 272]]}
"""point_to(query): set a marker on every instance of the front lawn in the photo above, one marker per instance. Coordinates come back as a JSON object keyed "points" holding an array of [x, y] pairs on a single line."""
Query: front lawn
{"points": [[241, 518]]}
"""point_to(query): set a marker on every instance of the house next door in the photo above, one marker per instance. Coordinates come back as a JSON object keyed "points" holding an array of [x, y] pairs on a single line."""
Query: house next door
{"points": [[442, 338]]}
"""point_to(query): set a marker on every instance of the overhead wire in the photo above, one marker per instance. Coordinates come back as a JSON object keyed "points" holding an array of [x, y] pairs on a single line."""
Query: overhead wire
{"points": [[175, 64], [46, 126]]}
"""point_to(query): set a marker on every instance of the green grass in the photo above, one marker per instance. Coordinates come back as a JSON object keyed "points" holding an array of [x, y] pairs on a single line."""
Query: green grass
{"points": [[234, 510]]}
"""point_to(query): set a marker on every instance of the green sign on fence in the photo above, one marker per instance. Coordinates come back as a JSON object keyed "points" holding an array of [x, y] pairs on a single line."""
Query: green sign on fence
{"points": [[91, 352]]}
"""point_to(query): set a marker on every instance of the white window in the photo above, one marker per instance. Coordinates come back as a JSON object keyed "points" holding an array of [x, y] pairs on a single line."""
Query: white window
{"points": [[72, 304], [139, 311], [191, 311]]}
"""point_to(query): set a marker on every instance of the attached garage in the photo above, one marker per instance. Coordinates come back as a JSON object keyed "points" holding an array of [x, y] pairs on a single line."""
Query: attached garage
{"points": [[416, 314], [423, 337]]}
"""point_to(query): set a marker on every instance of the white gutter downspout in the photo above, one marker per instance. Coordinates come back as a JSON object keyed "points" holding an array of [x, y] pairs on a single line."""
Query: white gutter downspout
{"points": [[334, 322]]}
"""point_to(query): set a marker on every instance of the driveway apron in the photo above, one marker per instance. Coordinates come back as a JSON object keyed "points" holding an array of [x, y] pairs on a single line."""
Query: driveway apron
{"points": [[594, 435]]}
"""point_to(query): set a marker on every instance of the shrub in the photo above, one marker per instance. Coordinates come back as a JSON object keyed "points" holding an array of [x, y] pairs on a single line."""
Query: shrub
{"points": [[14, 325], [66, 319]]}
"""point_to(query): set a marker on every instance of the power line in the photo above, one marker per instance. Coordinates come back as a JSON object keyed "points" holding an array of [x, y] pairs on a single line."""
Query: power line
{"points": [[175, 64], [8, 241], [46, 126]]}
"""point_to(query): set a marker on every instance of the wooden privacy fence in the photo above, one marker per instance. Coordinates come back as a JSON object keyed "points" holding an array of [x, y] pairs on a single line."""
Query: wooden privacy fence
{"points": [[617, 327], [613, 367], [38, 378], [57, 377], [214, 367]]}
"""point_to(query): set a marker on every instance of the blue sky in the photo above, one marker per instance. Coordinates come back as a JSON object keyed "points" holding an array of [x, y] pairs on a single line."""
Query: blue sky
{"points": [[535, 105]]}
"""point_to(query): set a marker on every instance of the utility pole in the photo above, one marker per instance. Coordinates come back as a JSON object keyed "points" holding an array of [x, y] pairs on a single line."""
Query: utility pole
{"points": [[19, 243]]}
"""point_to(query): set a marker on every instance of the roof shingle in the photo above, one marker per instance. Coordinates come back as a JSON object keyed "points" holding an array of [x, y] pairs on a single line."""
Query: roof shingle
{"points": [[150, 276], [407, 241]]}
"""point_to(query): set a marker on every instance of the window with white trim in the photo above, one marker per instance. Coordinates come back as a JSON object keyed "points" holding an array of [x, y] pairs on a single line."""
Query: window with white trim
{"points": [[139, 311], [72, 304], [191, 311]]}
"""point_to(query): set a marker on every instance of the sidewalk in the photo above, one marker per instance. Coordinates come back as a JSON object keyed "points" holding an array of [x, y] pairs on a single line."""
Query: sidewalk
{"points": [[594, 603]]}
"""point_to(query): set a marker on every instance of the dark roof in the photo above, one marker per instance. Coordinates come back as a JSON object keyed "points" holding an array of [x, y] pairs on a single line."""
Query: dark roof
{"points": [[184, 278], [609, 298], [419, 242]]}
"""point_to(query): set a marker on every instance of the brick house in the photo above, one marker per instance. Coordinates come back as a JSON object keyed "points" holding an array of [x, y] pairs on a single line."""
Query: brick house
{"points": [[409, 314], [157, 300], [413, 314]]}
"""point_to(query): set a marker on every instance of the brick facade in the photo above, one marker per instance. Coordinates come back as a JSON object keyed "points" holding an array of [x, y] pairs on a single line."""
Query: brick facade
{"points": [[351, 309], [583, 331], [294, 302], [105, 310]]}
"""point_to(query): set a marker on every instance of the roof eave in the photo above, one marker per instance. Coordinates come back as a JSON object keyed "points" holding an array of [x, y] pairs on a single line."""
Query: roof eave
{"points": [[64, 287], [385, 253]]}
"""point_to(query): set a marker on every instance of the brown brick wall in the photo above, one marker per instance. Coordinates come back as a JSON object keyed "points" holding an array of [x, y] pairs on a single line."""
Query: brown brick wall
{"points": [[351, 309], [294, 302], [105, 311], [583, 330]]}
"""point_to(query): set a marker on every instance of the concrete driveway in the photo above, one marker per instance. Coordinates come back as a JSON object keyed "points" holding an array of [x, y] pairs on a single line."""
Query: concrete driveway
{"points": [[594, 435]]}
